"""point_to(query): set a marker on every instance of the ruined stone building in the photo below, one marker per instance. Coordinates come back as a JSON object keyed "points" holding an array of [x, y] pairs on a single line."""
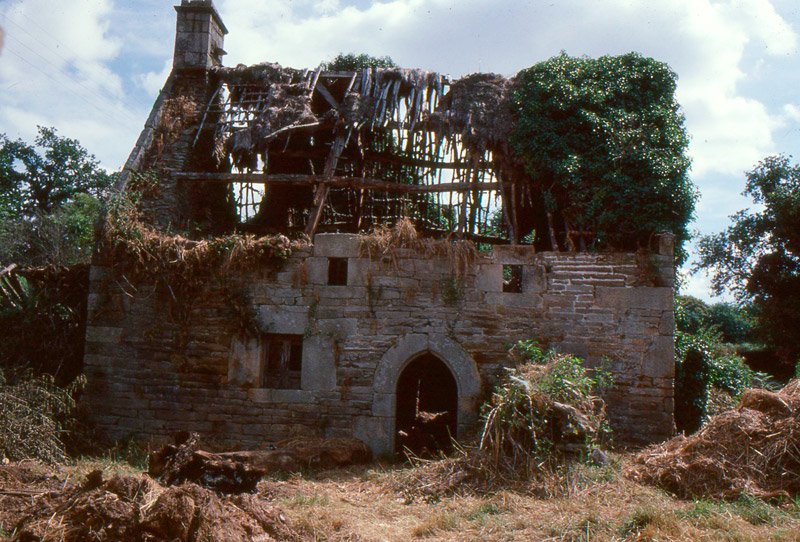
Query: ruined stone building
{"points": [[429, 255]]}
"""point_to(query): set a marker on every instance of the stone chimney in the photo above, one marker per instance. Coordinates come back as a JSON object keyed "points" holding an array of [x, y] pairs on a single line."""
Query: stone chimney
{"points": [[199, 36]]}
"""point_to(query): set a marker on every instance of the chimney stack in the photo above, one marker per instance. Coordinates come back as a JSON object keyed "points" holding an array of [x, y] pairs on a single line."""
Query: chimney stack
{"points": [[199, 36]]}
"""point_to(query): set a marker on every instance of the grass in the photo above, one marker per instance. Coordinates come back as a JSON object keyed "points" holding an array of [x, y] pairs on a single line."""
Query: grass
{"points": [[577, 504]]}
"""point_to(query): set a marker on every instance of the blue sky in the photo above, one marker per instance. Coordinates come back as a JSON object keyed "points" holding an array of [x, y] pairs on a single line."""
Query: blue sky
{"points": [[92, 68]]}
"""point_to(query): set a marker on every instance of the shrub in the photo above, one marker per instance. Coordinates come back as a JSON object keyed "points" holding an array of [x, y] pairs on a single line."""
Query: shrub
{"points": [[546, 404], [35, 412]]}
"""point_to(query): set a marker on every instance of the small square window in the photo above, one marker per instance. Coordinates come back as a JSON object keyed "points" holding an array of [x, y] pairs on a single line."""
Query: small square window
{"points": [[282, 361], [512, 278], [337, 271]]}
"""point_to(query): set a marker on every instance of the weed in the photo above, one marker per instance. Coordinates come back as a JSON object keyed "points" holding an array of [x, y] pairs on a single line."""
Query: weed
{"points": [[35, 411], [452, 290]]}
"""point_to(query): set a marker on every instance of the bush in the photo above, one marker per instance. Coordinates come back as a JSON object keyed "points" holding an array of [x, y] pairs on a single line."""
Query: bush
{"points": [[42, 320], [35, 412], [547, 404], [703, 363]]}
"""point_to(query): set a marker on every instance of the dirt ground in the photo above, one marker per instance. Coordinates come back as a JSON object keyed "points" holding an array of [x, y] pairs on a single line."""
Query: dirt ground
{"points": [[372, 503]]}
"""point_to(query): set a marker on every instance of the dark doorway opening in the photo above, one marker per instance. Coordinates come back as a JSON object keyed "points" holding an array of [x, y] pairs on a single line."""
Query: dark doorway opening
{"points": [[427, 407]]}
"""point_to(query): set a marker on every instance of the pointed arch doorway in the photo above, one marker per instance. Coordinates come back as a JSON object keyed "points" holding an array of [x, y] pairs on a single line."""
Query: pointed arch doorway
{"points": [[426, 412]]}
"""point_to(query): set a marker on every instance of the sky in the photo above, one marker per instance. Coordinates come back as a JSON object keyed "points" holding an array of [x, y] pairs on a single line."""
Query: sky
{"points": [[92, 68]]}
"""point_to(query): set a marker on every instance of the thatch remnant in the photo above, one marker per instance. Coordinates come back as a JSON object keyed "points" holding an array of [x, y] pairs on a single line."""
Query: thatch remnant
{"points": [[752, 450]]}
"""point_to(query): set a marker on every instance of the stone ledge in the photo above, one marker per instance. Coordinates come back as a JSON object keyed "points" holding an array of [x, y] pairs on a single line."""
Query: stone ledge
{"points": [[336, 245]]}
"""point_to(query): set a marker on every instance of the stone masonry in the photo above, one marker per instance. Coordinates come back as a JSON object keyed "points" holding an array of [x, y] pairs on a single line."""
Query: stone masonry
{"points": [[150, 375], [157, 362]]}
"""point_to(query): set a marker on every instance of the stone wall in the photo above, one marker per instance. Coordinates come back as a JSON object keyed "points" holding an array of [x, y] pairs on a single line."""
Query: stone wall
{"points": [[156, 364]]}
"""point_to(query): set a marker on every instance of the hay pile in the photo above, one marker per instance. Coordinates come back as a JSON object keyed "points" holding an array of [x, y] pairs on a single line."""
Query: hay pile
{"points": [[124, 509], [478, 107], [546, 408], [753, 450], [467, 471]]}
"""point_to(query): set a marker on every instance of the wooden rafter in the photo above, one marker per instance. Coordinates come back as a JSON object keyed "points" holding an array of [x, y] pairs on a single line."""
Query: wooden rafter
{"points": [[365, 183]]}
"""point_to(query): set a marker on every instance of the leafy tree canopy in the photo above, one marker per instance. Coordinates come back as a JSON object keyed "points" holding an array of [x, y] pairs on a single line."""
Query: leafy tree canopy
{"points": [[49, 198], [44, 176], [733, 324], [604, 141], [353, 62], [757, 258]]}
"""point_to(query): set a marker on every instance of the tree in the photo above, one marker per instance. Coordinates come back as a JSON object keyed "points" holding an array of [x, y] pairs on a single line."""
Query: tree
{"points": [[43, 176], [733, 324], [757, 258], [353, 62], [604, 144], [49, 197]]}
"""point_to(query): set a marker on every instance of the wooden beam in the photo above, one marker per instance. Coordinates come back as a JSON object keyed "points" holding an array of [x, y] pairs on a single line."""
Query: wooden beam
{"points": [[321, 194], [382, 157], [408, 161], [323, 90], [365, 183]]}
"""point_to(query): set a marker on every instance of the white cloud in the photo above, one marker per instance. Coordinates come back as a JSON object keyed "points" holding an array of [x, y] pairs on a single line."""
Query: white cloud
{"points": [[705, 42], [792, 111], [56, 71], [153, 82]]}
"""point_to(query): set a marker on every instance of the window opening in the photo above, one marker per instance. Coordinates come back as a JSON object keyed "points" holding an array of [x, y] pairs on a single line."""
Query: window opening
{"points": [[282, 361], [337, 271], [512, 278]]}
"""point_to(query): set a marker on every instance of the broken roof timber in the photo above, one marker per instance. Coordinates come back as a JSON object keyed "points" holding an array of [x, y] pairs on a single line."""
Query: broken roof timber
{"points": [[365, 183]]}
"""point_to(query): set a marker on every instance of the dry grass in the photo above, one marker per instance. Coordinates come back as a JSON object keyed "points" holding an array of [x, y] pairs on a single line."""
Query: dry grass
{"points": [[579, 504], [385, 241]]}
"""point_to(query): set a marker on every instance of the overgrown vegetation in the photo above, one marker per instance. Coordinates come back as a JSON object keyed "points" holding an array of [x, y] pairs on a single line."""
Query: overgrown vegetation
{"points": [[353, 62], [546, 406], [129, 244], [42, 318], [757, 258], [35, 413], [604, 144], [705, 364]]}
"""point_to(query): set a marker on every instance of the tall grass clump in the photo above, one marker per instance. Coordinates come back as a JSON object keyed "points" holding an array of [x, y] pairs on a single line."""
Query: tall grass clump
{"points": [[35, 412], [547, 406]]}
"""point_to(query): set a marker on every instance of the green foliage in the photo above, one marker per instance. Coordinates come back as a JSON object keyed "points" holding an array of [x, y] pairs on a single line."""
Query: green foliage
{"points": [[520, 420], [353, 62], [452, 290], [44, 176], [735, 325], [757, 258], [604, 143], [50, 195], [703, 361], [35, 412], [62, 238], [41, 322]]}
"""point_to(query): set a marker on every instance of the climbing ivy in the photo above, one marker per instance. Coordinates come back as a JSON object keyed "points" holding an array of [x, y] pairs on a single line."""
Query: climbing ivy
{"points": [[604, 144]]}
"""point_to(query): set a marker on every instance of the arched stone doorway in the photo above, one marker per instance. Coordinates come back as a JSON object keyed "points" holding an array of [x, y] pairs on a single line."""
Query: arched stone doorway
{"points": [[426, 414], [379, 431]]}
